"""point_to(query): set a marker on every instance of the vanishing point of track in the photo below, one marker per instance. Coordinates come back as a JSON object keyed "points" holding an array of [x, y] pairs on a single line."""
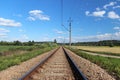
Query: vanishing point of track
{"points": [[56, 66]]}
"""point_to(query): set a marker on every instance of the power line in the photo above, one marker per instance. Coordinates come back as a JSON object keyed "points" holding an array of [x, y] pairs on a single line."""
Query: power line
{"points": [[70, 21], [61, 12], [62, 24]]}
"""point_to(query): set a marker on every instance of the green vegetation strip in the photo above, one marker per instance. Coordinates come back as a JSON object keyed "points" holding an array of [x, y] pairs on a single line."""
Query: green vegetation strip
{"points": [[15, 48], [7, 61], [111, 65], [97, 52]]}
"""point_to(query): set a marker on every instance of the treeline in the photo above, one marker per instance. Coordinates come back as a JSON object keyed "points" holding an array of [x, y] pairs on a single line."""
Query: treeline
{"points": [[17, 43], [110, 43], [29, 43]]}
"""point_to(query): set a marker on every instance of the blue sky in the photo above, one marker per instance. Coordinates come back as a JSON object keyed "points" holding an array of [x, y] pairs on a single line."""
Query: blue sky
{"points": [[40, 20]]}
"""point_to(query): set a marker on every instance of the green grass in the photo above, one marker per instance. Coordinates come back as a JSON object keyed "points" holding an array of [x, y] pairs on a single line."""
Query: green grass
{"points": [[7, 61], [11, 48], [111, 65], [8, 50], [4, 48]]}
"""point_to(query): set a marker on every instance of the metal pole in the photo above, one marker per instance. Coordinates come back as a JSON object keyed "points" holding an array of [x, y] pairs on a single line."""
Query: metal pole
{"points": [[69, 31]]}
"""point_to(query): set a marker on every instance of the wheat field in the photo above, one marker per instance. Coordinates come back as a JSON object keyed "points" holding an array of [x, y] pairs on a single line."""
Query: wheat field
{"points": [[100, 48]]}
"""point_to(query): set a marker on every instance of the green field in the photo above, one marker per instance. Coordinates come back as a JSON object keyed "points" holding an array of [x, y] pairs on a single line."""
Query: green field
{"points": [[8, 50], [17, 58], [111, 65]]}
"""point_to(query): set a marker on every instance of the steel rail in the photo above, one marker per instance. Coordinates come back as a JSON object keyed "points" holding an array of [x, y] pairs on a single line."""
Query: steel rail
{"points": [[78, 75], [27, 75]]}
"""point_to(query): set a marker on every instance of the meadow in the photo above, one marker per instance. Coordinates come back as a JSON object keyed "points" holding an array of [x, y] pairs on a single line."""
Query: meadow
{"points": [[9, 50], [15, 57]]}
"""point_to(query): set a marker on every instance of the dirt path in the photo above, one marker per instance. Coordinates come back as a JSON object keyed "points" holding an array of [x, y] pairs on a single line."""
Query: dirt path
{"points": [[104, 55]]}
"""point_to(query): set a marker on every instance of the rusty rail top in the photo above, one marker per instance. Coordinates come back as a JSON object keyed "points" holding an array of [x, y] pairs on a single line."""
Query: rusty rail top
{"points": [[76, 71], [78, 75], [27, 75]]}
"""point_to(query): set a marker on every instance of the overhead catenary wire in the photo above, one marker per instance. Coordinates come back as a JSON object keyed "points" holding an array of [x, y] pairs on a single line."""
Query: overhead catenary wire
{"points": [[62, 24], [61, 12], [69, 30]]}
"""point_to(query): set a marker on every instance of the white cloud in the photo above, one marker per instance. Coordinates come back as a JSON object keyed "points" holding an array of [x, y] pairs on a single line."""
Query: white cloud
{"points": [[31, 18], [98, 37], [96, 13], [17, 15], [46, 39], [113, 15], [2, 35], [110, 4], [116, 7], [2, 30], [21, 30], [106, 36], [116, 23], [37, 15], [9, 22], [87, 13], [59, 32], [98, 9], [117, 28], [60, 37], [99, 13], [103, 13], [21, 38], [25, 37], [117, 35]]}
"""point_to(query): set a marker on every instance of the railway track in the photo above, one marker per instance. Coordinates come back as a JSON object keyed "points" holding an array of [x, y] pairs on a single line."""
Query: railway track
{"points": [[56, 66]]}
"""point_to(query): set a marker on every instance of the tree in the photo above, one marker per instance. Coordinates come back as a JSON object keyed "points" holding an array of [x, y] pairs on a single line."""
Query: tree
{"points": [[55, 41], [30, 43], [17, 43]]}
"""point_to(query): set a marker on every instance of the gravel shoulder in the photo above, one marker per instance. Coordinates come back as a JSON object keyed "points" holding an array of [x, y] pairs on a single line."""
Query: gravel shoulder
{"points": [[91, 70], [15, 72]]}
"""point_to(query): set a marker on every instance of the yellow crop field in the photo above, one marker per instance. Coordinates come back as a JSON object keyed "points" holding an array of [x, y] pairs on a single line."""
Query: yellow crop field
{"points": [[100, 48]]}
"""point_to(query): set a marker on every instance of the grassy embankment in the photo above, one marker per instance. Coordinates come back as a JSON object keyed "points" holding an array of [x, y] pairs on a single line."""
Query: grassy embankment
{"points": [[111, 65], [16, 58], [10, 50], [100, 49]]}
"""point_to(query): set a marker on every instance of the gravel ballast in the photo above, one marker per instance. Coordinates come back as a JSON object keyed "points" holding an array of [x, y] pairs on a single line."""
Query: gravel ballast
{"points": [[15, 72], [56, 68], [91, 70]]}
